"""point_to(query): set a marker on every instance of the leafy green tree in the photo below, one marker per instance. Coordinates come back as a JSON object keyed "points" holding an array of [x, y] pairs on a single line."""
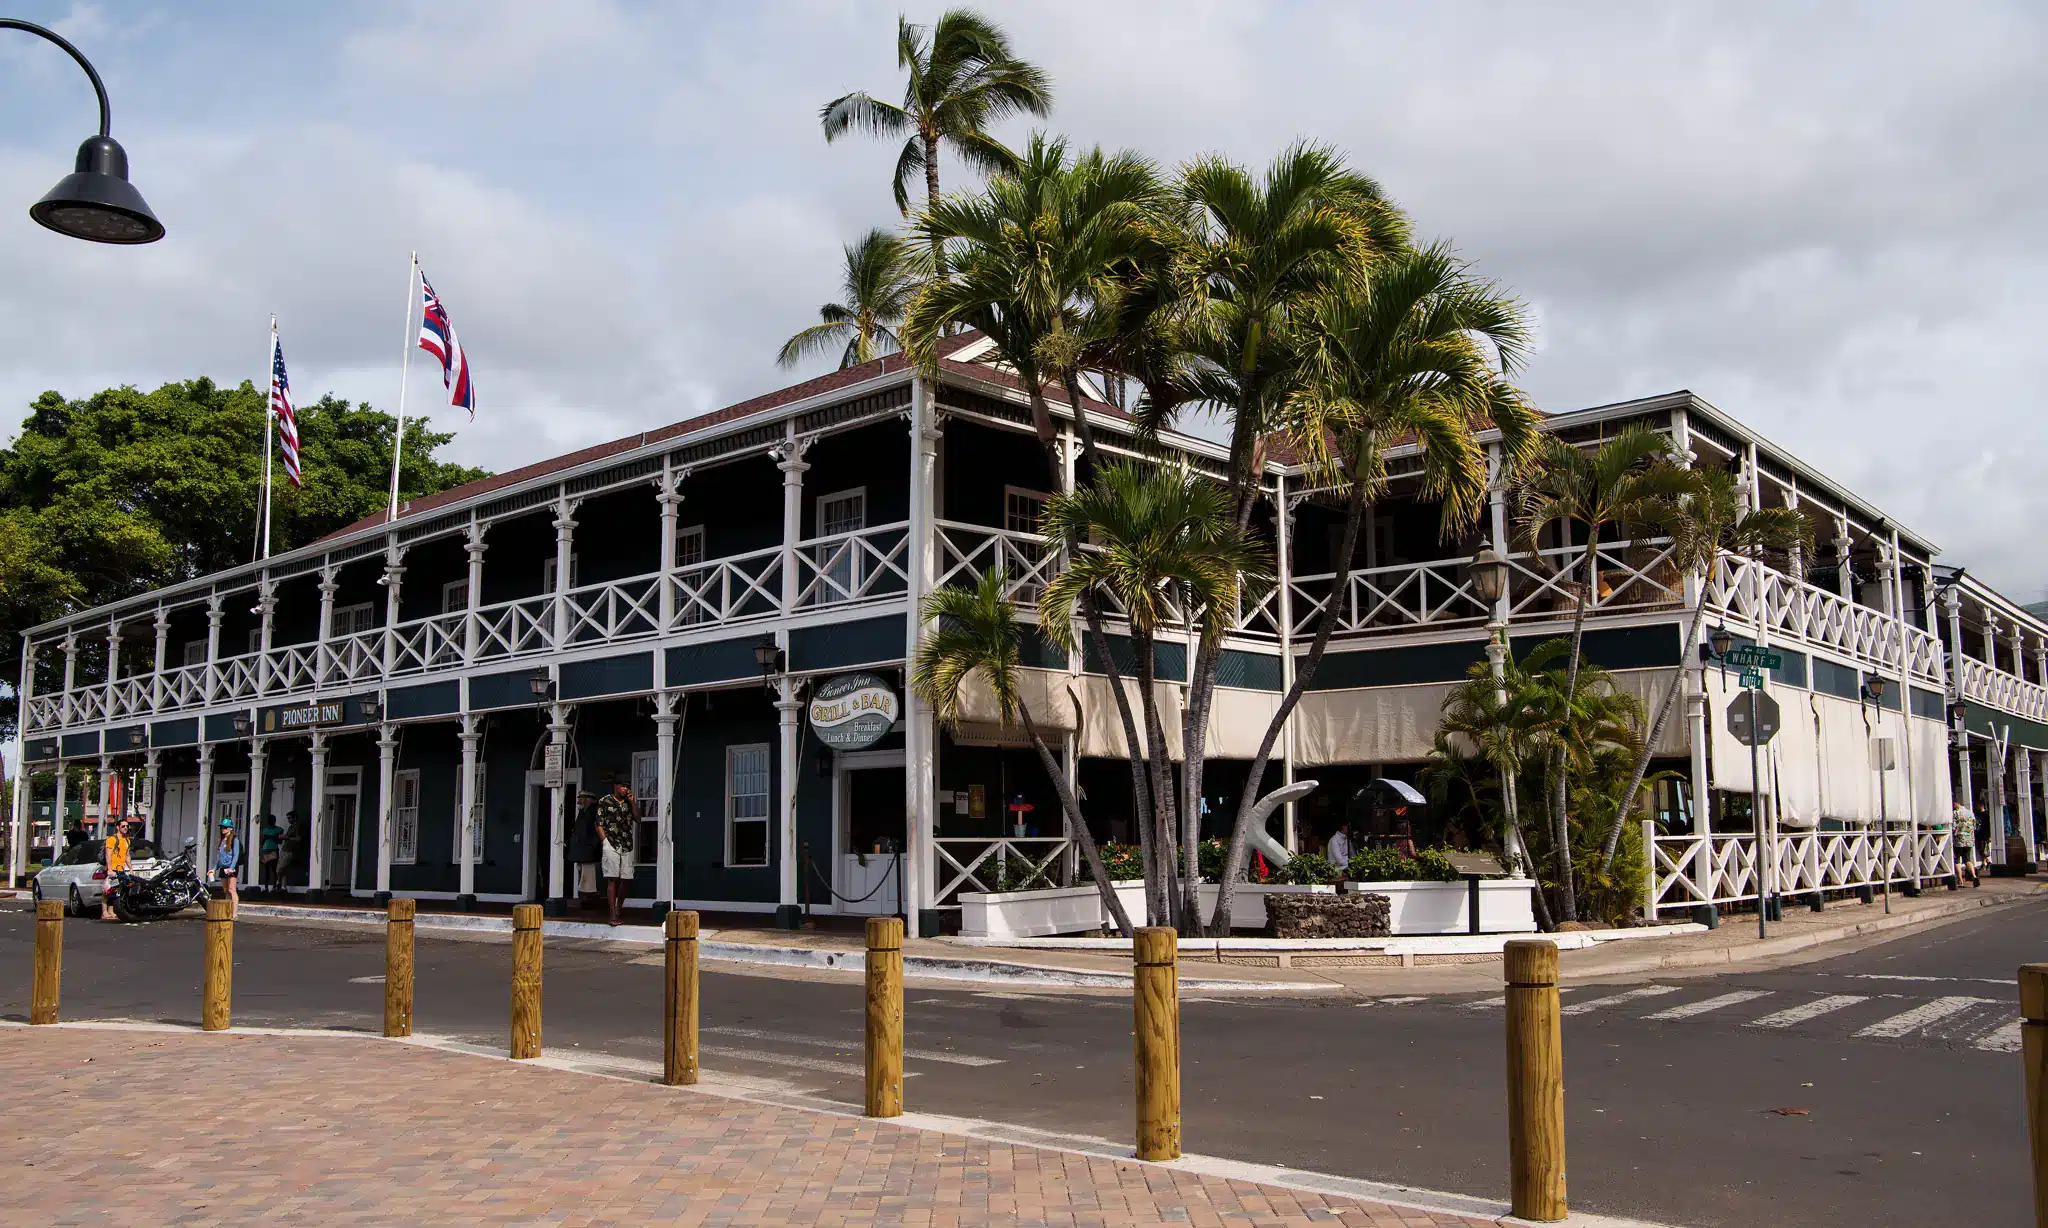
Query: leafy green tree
{"points": [[962, 78], [125, 491], [1628, 483], [977, 635], [878, 283]]}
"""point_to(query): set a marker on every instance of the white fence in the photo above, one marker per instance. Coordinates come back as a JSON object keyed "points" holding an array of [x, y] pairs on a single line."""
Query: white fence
{"points": [[1684, 872], [987, 863]]}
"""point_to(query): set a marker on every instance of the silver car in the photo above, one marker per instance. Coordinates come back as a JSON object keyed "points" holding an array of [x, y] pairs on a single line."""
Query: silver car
{"points": [[78, 878]]}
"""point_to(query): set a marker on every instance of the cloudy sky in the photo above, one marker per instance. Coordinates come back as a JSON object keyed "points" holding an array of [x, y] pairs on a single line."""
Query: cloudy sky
{"points": [[1825, 219]]}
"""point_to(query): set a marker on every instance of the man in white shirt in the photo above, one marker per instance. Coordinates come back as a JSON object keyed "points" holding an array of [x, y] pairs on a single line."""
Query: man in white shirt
{"points": [[1338, 850]]}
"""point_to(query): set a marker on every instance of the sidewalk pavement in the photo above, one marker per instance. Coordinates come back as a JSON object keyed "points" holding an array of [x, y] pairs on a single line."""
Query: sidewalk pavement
{"points": [[149, 1126]]}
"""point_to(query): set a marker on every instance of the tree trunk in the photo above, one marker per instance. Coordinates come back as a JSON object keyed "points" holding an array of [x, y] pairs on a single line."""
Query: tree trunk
{"points": [[1560, 792], [1077, 824], [931, 197], [1159, 763], [1686, 649], [1134, 746], [1233, 859]]}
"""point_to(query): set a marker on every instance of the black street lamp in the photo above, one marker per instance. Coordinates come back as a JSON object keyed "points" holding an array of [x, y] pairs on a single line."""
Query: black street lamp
{"points": [[95, 202], [1489, 574]]}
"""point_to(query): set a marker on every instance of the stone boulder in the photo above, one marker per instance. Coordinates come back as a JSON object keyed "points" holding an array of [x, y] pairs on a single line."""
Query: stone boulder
{"points": [[1327, 916]]}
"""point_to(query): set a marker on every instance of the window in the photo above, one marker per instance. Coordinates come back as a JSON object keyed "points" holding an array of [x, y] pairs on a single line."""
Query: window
{"points": [[351, 619], [838, 563], [405, 817], [647, 796], [746, 805], [547, 573], [455, 596], [195, 652], [255, 640], [843, 512], [476, 822], [1022, 508], [690, 561]]}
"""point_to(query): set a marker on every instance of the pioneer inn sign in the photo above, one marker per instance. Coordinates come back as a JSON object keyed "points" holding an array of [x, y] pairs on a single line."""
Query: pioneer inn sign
{"points": [[719, 613]]}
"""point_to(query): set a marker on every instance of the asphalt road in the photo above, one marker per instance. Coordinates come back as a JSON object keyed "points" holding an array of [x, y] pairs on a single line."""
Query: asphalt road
{"points": [[1897, 1062]]}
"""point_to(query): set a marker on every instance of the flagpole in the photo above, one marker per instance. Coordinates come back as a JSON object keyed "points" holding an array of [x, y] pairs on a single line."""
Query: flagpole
{"points": [[412, 275], [257, 549], [269, 422]]}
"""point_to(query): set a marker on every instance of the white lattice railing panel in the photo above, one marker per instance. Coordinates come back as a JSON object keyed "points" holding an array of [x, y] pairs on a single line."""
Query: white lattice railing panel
{"points": [[1688, 871], [1994, 688], [43, 712], [427, 643], [132, 696], [514, 627], [968, 552], [857, 566], [352, 658], [726, 590], [294, 668], [983, 863], [1746, 591]]}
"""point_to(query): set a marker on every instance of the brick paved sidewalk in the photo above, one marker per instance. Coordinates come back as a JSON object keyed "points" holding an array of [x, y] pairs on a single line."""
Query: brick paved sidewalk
{"points": [[160, 1127]]}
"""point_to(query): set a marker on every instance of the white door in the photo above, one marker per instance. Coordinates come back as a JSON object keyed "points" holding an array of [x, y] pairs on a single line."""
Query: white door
{"points": [[341, 839], [537, 836], [180, 818]]}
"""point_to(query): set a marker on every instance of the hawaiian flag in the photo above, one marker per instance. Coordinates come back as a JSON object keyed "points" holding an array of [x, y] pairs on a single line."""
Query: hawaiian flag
{"points": [[437, 337], [281, 408]]}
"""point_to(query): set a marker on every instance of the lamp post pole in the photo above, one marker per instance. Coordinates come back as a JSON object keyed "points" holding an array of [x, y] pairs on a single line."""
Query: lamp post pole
{"points": [[95, 202]]}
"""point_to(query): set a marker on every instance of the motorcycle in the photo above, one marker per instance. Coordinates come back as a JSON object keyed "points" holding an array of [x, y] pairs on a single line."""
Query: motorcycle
{"points": [[162, 891]]}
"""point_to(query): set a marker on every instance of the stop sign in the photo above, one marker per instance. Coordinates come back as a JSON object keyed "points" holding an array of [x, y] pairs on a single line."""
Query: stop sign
{"points": [[1767, 719]]}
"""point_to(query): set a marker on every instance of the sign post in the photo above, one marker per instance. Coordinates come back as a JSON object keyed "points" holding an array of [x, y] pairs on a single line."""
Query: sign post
{"points": [[1753, 721]]}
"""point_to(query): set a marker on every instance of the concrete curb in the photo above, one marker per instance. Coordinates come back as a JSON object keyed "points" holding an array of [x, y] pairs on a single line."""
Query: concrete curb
{"points": [[1793, 943], [983, 971], [1411, 944]]}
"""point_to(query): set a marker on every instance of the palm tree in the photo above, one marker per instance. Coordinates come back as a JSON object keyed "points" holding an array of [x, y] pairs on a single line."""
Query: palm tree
{"points": [[1413, 346], [1487, 724], [1705, 523], [1157, 543], [863, 324], [975, 634], [1629, 481], [963, 78], [1584, 727]]}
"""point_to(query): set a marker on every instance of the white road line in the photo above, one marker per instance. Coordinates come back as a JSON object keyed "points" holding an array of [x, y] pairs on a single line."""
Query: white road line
{"points": [[2004, 1039], [1932, 1011], [853, 1069], [1627, 995], [1398, 1001], [1890, 976], [1483, 1003], [792, 1038], [1710, 1004], [1793, 1015]]}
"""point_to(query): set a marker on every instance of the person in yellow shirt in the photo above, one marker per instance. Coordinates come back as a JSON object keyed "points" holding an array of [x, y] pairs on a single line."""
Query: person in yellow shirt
{"points": [[114, 856]]}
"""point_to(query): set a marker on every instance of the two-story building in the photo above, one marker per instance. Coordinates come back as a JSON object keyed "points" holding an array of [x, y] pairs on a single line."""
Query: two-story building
{"points": [[419, 700]]}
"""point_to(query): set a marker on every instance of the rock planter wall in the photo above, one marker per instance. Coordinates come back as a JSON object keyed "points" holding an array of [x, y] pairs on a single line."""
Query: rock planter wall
{"points": [[1440, 908], [1327, 916]]}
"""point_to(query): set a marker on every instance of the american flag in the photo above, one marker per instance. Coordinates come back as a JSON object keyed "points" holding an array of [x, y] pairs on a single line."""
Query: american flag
{"points": [[437, 337], [281, 406]]}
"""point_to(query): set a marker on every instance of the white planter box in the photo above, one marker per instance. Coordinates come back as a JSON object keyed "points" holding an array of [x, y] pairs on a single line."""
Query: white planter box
{"points": [[1440, 908], [1044, 912], [1248, 902]]}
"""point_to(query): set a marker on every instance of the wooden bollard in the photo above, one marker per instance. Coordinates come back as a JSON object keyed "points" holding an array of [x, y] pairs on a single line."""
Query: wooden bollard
{"points": [[1155, 985], [1535, 1081], [49, 972], [885, 1017], [2034, 1052], [526, 980], [679, 1002], [220, 965], [398, 968]]}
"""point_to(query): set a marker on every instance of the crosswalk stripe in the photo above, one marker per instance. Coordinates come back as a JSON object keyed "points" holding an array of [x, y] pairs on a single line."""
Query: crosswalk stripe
{"points": [[793, 1038], [1793, 1015], [1483, 1003], [2004, 1039], [1690, 1009], [1627, 995], [853, 1069], [1934, 1010]]}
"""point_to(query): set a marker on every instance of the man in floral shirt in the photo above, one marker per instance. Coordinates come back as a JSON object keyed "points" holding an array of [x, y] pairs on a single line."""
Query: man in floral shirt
{"points": [[618, 818]]}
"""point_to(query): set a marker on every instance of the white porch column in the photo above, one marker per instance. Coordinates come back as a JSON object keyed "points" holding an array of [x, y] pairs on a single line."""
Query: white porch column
{"points": [[788, 709], [207, 834], [214, 614], [473, 546], [113, 665], [789, 457], [18, 819], [565, 542], [152, 772], [387, 767], [1991, 629], [665, 806], [323, 660], [2041, 660], [100, 792], [252, 839], [157, 690], [70, 671], [316, 822], [61, 813], [920, 731], [1845, 571], [669, 497], [472, 735], [2024, 773], [266, 613], [393, 580], [558, 835]]}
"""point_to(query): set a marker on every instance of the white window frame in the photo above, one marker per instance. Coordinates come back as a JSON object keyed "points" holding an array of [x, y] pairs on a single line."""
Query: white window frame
{"points": [[1041, 498], [255, 641], [647, 802], [690, 556], [858, 493], [767, 796], [842, 559], [347, 620], [476, 826], [451, 603], [195, 657], [547, 573], [405, 820]]}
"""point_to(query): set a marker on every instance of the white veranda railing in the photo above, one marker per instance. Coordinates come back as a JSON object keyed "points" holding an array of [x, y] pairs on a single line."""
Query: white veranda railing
{"points": [[998, 863], [1684, 872], [1747, 591]]}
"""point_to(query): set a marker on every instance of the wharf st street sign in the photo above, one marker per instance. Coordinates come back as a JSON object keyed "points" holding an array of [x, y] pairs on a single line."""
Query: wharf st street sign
{"points": [[1749, 656], [1768, 719], [853, 711], [305, 716]]}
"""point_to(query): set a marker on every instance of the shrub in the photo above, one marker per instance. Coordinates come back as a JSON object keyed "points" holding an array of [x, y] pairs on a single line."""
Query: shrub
{"points": [[1211, 854], [1381, 865], [1307, 869], [1120, 861], [1433, 866]]}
